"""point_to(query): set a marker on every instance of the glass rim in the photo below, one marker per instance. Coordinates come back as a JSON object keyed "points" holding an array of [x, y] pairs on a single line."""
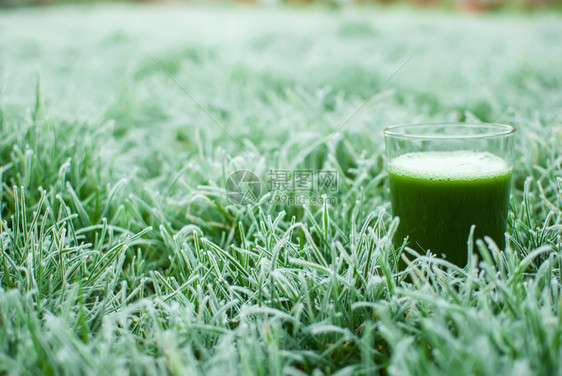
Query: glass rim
{"points": [[490, 130]]}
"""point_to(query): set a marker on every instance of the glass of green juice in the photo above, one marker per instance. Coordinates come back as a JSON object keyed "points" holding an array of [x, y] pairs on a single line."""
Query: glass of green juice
{"points": [[446, 177]]}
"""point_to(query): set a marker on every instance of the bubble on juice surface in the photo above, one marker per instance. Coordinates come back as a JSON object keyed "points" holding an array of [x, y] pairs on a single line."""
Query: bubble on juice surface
{"points": [[465, 165]]}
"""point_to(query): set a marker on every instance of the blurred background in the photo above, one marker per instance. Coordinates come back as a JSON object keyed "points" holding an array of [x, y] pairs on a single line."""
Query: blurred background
{"points": [[457, 5]]}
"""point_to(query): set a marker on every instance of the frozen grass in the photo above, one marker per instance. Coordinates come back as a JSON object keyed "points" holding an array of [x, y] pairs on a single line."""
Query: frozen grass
{"points": [[121, 252]]}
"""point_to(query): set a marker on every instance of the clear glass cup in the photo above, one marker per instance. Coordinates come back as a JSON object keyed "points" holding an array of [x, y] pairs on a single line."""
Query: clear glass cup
{"points": [[446, 177]]}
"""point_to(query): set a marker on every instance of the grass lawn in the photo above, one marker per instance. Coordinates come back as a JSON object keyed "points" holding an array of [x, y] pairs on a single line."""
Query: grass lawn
{"points": [[121, 252]]}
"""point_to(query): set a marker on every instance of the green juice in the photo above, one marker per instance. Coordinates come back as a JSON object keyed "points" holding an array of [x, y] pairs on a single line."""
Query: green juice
{"points": [[438, 196]]}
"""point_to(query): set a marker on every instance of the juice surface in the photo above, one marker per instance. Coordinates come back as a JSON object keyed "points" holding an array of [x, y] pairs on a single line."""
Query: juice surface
{"points": [[439, 195]]}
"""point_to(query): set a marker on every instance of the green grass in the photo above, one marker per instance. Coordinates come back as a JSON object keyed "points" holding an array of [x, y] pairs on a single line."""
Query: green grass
{"points": [[120, 251]]}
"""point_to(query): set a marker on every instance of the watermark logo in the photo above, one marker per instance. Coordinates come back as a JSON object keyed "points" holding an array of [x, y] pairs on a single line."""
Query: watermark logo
{"points": [[286, 187], [243, 187]]}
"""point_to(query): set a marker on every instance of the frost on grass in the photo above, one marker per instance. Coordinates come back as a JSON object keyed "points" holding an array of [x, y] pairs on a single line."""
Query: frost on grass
{"points": [[120, 252]]}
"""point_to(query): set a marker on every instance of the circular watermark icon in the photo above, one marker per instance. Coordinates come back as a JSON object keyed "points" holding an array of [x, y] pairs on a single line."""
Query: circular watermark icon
{"points": [[243, 187]]}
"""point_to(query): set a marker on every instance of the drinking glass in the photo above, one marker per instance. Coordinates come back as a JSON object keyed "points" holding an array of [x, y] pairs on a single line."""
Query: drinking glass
{"points": [[446, 177]]}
